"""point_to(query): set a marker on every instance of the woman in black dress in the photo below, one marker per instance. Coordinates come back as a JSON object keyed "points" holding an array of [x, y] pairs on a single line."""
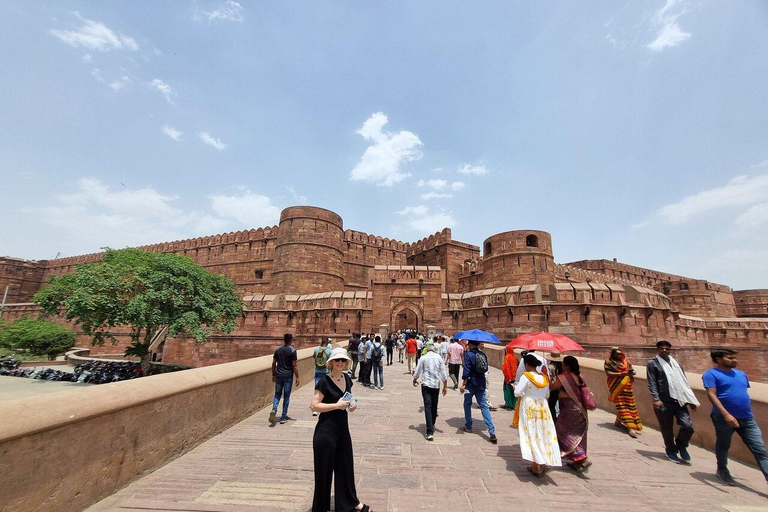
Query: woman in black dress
{"points": [[332, 444]]}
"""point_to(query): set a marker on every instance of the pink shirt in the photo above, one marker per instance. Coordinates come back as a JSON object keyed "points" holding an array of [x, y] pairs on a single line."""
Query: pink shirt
{"points": [[455, 353]]}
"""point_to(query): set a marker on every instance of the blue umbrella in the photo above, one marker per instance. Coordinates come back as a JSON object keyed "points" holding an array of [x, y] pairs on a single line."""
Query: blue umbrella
{"points": [[477, 335]]}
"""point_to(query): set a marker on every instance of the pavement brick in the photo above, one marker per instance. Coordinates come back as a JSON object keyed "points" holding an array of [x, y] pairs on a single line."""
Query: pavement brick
{"points": [[255, 466]]}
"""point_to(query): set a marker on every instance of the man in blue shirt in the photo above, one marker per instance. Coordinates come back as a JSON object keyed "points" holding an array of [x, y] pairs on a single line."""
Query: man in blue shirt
{"points": [[474, 384], [732, 412]]}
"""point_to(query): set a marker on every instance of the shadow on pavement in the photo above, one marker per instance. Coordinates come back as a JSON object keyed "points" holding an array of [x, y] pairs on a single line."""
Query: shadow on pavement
{"points": [[711, 480]]}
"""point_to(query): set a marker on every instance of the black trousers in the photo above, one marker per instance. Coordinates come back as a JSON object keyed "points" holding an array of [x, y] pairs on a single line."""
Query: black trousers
{"points": [[554, 396], [390, 352], [666, 416], [453, 370], [430, 397], [334, 461], [367, 372]]}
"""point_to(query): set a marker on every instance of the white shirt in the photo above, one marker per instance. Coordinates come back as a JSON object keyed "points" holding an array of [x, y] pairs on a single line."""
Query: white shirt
{"points": [[431, 368], [525, 388]]}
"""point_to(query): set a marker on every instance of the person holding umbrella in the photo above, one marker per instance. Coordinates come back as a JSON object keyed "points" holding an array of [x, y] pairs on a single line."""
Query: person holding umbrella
{"points": [[473, 384]]}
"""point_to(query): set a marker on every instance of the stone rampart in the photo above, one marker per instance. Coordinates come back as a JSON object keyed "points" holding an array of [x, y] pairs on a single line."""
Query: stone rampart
{"points": [[67, 450], [751, 303]]}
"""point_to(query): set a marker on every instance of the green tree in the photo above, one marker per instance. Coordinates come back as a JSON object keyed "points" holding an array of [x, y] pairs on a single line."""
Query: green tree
{"points": [[147, 292], [38, 337]]}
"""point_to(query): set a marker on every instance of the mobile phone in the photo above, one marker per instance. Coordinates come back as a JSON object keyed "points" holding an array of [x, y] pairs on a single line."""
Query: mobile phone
{"points": [[347, 396]]}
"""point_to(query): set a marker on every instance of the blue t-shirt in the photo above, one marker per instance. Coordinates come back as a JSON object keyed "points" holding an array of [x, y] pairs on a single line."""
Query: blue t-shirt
{"points": [[732, 392]]}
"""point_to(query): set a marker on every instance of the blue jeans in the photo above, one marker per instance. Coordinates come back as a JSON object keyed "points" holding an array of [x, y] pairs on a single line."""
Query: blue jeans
{"points": [[479, 395], [378, 375], [750, 433], [283, 386], [318, 376]]}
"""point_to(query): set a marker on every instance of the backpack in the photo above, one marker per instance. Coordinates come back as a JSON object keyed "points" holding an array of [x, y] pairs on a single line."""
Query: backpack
{"points": [[321, 358], [481, 362], [376, 353]]}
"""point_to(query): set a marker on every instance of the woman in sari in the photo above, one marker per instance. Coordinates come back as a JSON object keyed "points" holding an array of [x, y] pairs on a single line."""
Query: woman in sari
{"points": [[621, 378], [538, 437], [509, 369], [572, 422]]}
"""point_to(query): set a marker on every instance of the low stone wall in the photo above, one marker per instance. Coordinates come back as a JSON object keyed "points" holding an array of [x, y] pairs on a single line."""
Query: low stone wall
{"points": [[593, 374], [68, 450]]}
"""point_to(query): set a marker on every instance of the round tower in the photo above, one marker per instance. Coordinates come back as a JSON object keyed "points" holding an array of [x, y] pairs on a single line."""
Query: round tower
{"points": [[309, 254], [518, 258]]}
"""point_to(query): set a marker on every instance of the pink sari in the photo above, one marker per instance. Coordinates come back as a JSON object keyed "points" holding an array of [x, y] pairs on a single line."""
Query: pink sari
{"points": [[572, 422]]}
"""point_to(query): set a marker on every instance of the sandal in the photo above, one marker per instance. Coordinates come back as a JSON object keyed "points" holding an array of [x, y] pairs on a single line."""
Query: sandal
{"points": [[534, 473], [633, 434]]}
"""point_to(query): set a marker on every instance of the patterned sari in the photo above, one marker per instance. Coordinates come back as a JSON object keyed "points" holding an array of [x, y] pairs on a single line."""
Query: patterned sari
{"points": [[572, 422], [620, 391]]}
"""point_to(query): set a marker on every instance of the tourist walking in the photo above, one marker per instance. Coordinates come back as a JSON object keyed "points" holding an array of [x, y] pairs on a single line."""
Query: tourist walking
{"points": [[352, 352], [727, 390], [509, 369], [573, 421], [419, 346], [411, 348], [377, 363], [284, 371], [390, 343], [332, 442], [455, 361], [361, 361], [473, 386], [400, 345], [672, 396], [431, 369], [554, 368], [621, 379], [366, 346], [533, 421], [321, 355]]}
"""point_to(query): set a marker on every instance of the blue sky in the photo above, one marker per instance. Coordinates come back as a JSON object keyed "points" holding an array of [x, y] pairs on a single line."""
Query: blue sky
{"points": [[634, 130]]}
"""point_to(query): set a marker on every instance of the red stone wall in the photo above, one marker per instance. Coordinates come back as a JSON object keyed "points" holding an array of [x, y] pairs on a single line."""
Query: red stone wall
{"points": [[21, 278], [517, 258], [400, 288], [701, 298], [440, 250], [751, 303]]}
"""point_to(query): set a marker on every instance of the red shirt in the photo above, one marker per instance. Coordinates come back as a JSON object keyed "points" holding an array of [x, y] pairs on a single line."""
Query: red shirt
{"points": [[410, 346]]}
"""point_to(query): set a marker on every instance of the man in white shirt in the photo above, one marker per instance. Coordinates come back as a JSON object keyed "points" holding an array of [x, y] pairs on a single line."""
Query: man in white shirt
{"points": [[431, 369]]}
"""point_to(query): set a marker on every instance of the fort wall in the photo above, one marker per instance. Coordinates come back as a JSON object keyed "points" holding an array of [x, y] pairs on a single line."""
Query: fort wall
{"points": [[751, 303]]}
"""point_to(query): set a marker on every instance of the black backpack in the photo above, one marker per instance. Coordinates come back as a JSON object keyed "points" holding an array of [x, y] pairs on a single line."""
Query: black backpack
{"points": [[376, 353], [481, 362]]}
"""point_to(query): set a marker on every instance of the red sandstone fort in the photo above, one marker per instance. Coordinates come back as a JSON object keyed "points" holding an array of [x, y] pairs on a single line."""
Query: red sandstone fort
{"points": [[311, 277]]}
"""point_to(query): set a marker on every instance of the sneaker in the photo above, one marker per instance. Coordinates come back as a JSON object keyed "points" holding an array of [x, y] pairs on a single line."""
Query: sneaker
{"points": [[493, 439], [315, 413], [685, 455], [429, 437], [673, 457], [725, 476], [285, 419], [492, 408], [272, 415], [466, 429], [382, 387]]}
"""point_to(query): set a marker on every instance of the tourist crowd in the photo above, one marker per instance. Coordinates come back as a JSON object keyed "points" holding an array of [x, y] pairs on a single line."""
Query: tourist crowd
{"points": [[550, 399]]}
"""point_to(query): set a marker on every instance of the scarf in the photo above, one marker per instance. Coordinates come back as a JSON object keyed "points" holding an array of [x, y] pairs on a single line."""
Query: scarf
{"points": [[532, 378], [679, 389]]}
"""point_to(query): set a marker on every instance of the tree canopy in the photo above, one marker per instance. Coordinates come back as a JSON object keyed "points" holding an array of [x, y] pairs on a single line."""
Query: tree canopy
{"points": [[38, 337], [146, 292]]}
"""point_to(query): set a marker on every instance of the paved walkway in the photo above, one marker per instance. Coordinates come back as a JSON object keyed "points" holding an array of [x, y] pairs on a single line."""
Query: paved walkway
{"points": [[257, 467]]}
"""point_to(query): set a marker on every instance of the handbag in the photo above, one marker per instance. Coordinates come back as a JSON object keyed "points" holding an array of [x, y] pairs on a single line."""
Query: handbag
{"points": [[588, 398]]}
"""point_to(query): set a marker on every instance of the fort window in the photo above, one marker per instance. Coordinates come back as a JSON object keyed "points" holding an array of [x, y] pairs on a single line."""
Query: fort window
{"points": [[531, 241], [258, 273], [488, 248], [683, 286]]}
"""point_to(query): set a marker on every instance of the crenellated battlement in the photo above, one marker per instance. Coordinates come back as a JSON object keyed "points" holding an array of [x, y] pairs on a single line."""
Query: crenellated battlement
{"points": [[359, 237], [430, 242]]}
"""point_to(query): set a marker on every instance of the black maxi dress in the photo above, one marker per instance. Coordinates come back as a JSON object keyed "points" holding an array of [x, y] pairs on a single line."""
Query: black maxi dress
{"points": [[332, 446]]}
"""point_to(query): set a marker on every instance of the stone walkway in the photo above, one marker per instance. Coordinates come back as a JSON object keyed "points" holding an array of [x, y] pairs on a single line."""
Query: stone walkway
{"points": [[257, 467]]}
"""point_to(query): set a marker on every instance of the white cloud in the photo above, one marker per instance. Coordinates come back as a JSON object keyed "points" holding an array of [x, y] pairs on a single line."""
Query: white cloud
{"points": [[216, 143], [164, 89], [435, 195], [296, 197], [87, 57], [740, 191], [94, 35], [433, 184], [457, 185], [95, 215], [432, 223], [754, 217], [249, 209], [669, 34], [381, 162], [419, 211], [119, 83], [476, 170], [227, 11], [640, 225], [173, 133]]}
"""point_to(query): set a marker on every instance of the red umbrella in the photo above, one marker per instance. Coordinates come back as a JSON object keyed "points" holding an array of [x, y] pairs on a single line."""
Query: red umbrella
{"points": [[545, 342]]}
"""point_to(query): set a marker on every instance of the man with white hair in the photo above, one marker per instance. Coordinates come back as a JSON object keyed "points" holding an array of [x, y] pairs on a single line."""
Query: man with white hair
{"points": [[431, 369]]}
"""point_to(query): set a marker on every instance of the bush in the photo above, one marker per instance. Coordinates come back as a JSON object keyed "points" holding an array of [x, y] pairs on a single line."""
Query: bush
{"points": [[38, 337]]}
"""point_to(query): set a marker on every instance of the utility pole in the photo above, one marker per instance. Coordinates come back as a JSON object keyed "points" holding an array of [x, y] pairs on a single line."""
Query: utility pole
{"points": [[5, 296]]}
